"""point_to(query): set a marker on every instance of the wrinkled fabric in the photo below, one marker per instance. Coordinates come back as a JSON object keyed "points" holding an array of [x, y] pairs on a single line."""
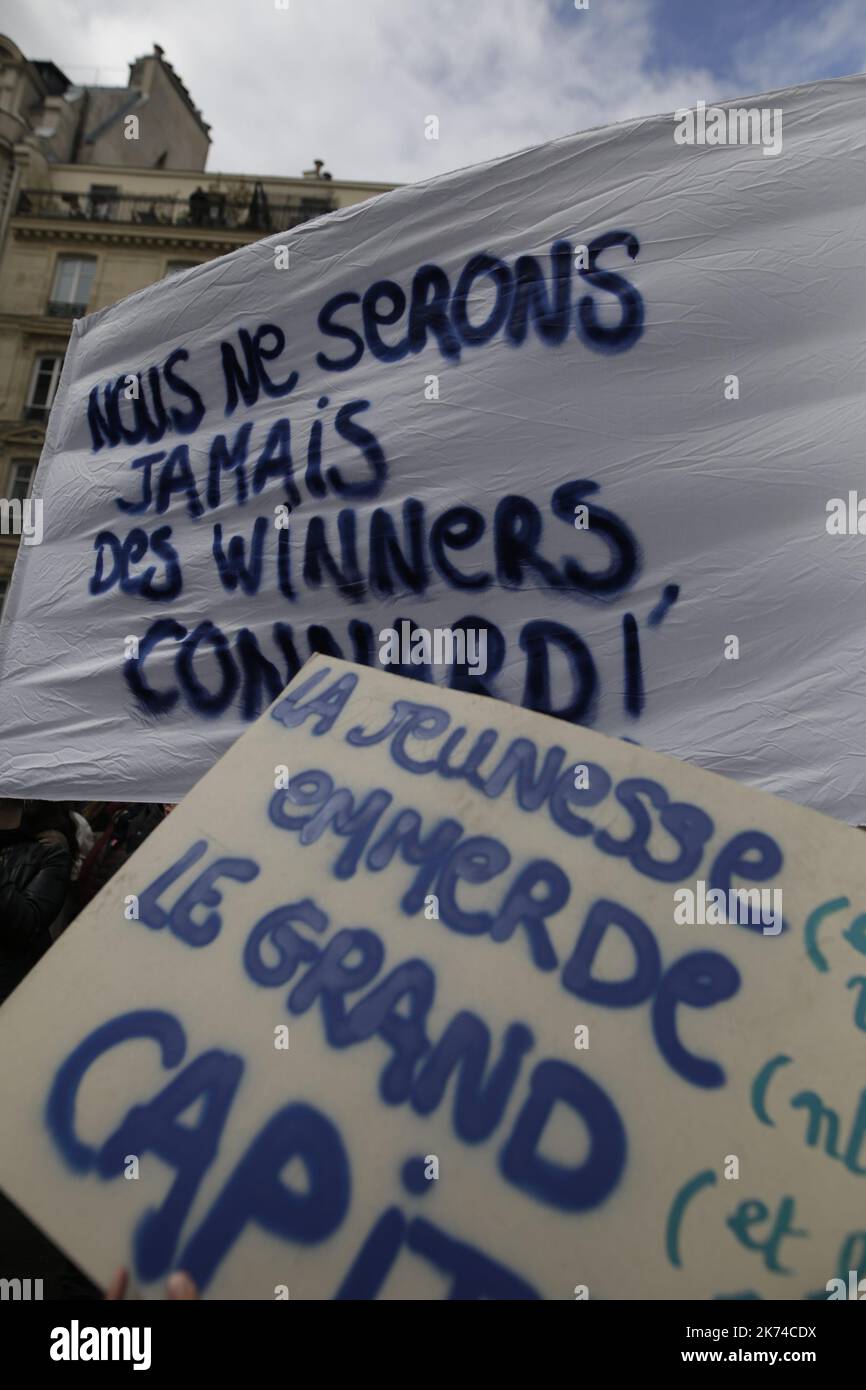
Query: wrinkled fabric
{"points": [[746, 267]]}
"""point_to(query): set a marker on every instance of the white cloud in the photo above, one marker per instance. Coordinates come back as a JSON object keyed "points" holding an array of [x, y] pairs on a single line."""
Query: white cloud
{"points": [[351, 81]]}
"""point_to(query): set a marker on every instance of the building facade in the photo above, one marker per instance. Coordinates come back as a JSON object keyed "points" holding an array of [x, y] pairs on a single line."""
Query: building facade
{"points": [[103, 191]]}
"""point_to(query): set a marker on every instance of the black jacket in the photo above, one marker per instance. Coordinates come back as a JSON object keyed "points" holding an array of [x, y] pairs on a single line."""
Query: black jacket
{"points": [[34, 879]]}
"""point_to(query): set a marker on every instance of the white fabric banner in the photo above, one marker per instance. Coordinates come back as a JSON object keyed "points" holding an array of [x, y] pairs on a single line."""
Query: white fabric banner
{"points": [[593, 411]]}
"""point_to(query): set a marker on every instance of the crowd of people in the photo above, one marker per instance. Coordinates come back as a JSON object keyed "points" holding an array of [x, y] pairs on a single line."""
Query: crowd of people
{"points": [[54, 857]]}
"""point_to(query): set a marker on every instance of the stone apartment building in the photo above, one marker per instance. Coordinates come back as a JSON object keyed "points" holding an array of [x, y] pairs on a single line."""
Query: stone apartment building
{"points": [[103, 191]]}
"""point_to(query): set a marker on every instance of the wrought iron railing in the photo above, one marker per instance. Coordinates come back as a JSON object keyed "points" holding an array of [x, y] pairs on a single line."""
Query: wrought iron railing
{"points": [[256, 215], [60, 309]]}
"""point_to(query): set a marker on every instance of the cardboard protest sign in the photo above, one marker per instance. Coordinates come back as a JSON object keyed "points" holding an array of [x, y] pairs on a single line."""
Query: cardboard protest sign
{"points": [[418, 992], [591, 403]]}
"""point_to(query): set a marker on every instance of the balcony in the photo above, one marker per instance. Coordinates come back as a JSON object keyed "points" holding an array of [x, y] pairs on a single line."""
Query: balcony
{"points": [[58, 309], [204, 209]]}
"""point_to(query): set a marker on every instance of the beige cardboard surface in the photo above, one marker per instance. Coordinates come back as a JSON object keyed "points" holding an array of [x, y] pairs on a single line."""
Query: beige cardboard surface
{"points": [[651, 1123]]}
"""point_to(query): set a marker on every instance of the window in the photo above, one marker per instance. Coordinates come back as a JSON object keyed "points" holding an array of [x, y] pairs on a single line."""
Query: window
{"points": [[43, 386], [4, 588], [21, 479], [73, 280]]}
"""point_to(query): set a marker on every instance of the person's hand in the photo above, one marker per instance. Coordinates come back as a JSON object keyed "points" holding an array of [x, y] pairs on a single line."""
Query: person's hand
{"points": [[53, 837], [179, 1286]]}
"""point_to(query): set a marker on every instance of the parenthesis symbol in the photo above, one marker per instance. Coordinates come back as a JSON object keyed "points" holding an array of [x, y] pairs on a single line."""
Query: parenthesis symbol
{"points": [[810, 931], [678, 1210], [761, 1083]]}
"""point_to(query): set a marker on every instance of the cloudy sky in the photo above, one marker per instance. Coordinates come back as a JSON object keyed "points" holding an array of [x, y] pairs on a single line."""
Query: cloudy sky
{"points": [[352, 81]]}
